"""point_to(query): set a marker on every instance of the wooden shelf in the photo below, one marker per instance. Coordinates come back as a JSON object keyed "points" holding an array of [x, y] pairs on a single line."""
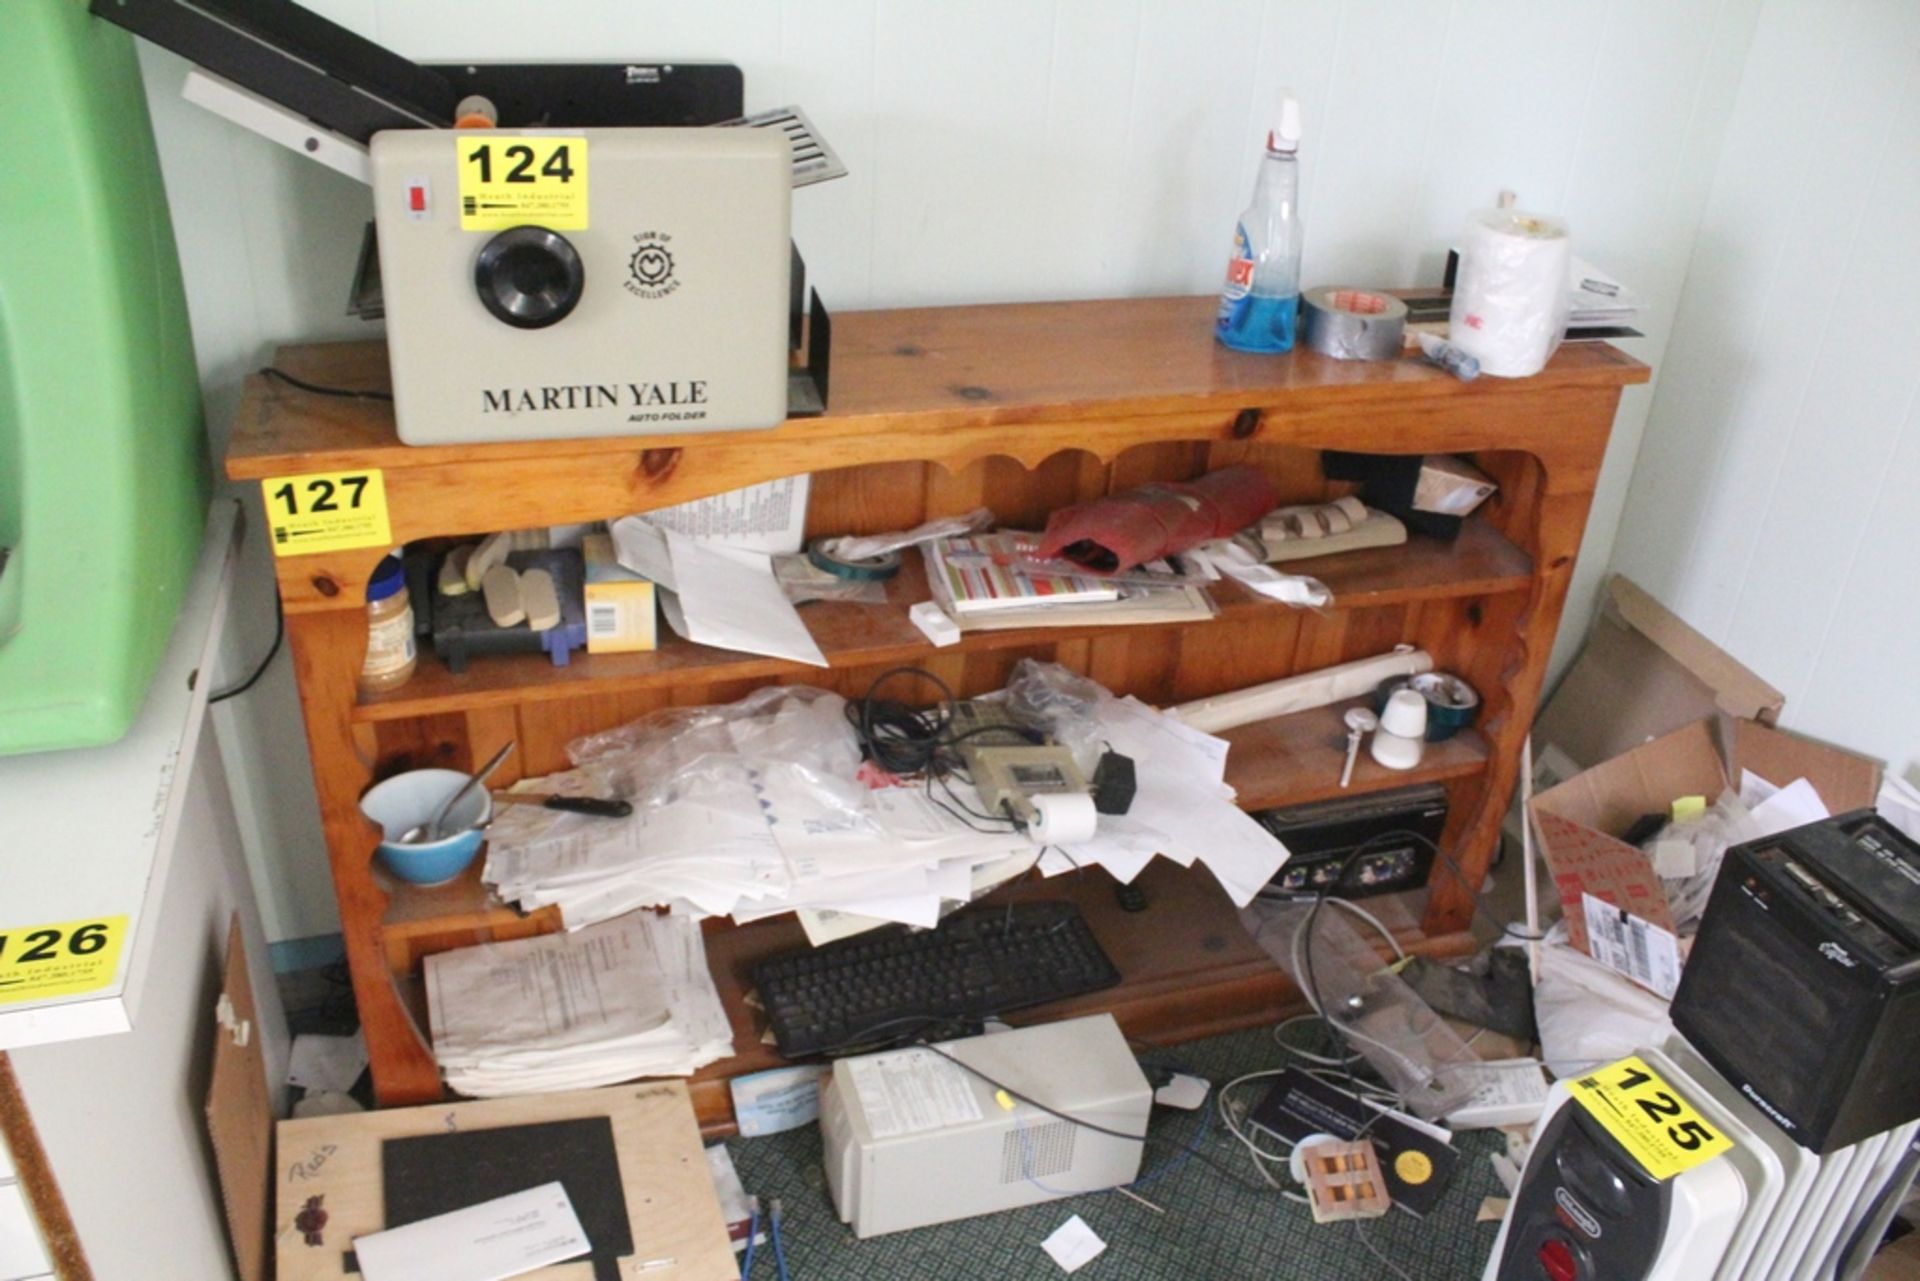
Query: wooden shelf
{"points": [[1291, 760], [1022, 409], [1481, 562]]}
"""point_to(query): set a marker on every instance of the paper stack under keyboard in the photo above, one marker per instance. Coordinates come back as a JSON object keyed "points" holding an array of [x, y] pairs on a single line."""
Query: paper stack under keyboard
{"points": [[627, 998]]}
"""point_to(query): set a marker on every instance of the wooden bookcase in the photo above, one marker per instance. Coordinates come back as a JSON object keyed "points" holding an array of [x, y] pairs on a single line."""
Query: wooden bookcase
{"points": [[1021, 408]]}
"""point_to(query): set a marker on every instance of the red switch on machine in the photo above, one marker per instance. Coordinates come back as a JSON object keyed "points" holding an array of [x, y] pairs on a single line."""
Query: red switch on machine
{"points": [[1557, 1261]]}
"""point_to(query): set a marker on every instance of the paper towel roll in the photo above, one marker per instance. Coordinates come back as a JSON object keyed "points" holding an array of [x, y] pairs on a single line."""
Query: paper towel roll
{"points": [[1510, 299], [1062, 818]]}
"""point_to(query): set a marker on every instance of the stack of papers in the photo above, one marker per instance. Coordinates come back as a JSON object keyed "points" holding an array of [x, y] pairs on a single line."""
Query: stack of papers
{"points": [[991, 582], [983, 572], [763, 807], [629, 998], [1597, 299], [750, 810]]}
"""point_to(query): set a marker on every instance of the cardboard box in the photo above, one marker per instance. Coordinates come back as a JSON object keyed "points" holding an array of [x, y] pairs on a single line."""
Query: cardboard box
{"points": [[1642, 673], [1579, 822], [621, 618]]}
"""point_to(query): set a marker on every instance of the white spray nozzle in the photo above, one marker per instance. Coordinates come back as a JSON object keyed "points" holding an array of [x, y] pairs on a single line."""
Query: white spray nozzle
{"points": [[1285, 134]]}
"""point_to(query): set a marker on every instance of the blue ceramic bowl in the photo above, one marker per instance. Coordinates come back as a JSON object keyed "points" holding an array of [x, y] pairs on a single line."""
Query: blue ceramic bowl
{"points": [[408, 800]]}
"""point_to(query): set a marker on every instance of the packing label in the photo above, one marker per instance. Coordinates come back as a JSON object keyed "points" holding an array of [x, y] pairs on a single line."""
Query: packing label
{"points": [[327, 511], [907, 1091], [1648, 1117], [66, 959], [1637, 948], [508, 181]]}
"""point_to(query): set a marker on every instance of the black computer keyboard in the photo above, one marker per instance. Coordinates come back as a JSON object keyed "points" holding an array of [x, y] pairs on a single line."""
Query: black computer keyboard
{"points": [[892, 984]]}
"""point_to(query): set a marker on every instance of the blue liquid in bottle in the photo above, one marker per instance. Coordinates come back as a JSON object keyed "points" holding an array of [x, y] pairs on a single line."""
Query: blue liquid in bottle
{"points": [[1258, 323]]}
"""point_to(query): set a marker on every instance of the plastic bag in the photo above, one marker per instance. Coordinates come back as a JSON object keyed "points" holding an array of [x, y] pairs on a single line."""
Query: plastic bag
{"points": [[1060, 704], [1587, 1014], [784, 741], [1376, 1011]]}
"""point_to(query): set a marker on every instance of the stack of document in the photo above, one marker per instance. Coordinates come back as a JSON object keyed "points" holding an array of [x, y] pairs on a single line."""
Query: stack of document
{"points": [[750, 810], [628, 998], [1598, 300], [899, 859], [994, 582], [763, 807]]}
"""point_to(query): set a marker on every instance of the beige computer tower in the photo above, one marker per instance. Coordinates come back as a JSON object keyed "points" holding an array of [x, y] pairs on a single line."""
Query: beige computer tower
{"points": [[583, 282]]}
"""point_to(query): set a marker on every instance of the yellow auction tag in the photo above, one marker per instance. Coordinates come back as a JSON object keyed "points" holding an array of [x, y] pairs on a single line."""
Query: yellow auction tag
{"points": [[40, 961], [508, 181], [1651, 1119], [327, 511]]}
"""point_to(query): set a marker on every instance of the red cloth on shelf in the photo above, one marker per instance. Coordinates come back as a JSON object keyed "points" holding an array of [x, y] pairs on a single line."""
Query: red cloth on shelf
{"points": [[1114, 534]]}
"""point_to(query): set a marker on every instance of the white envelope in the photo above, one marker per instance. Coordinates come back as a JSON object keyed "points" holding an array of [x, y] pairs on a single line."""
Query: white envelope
{"points": [[491, 1241]]}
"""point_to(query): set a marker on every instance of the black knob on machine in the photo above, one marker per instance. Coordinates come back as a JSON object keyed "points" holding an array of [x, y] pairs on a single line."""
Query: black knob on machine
{"points": [[529, 277]]}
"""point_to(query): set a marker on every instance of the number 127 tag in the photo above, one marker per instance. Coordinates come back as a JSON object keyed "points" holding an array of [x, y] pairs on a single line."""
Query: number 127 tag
{"points": [[327, 511], [1653, 1121]]}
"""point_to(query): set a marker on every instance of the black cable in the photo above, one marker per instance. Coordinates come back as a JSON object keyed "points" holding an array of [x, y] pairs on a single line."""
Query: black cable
{"points": [[345, 393], [279, 635]]}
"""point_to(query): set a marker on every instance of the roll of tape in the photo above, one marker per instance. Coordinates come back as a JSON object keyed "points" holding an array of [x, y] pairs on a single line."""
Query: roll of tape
{"points": [[1452, 704], [874, 569], [1353, 324], [1062, 818]]}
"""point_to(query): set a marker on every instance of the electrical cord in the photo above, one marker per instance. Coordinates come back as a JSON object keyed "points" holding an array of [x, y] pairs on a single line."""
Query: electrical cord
{"points": [[905, 740], [345, 393], [273, 650]]}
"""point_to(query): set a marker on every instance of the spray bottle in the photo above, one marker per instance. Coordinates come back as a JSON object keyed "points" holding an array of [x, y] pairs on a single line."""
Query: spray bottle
{"points": [[1261, 301]]}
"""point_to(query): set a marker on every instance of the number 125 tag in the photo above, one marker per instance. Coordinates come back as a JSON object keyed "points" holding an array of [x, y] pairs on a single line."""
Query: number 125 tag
{"points": [[327, 511], [1653, 1121]]}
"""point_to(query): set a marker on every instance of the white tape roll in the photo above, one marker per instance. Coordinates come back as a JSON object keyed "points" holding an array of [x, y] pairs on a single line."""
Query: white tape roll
{"points": [[1062, 818]]}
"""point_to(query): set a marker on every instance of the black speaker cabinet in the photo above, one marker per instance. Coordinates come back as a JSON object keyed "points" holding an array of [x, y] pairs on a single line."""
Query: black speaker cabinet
{"points": [[1803, 987]]}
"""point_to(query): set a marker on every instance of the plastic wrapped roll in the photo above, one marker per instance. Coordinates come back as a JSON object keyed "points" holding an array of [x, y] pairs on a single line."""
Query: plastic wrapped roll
{"points": [[1300, 693], [1510, 297], [1113, 534]]}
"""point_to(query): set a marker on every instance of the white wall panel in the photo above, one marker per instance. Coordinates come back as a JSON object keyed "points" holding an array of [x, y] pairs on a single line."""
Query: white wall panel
{"points": [[1773, 503], [1017, 149]]}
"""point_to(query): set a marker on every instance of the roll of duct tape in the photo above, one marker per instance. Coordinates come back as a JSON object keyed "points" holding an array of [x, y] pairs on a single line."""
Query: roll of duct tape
{"points": [[1452, 704], [1353, 324], [872, 569]]}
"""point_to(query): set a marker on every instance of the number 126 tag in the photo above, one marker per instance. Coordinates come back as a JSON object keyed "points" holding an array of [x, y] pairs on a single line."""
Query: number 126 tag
{"points": [[1653, 1121], [41, 961], [327, 511]]}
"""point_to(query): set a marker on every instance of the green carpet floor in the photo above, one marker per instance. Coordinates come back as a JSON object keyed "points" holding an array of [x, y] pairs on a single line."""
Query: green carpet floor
{"points": [[1214, 1229]]}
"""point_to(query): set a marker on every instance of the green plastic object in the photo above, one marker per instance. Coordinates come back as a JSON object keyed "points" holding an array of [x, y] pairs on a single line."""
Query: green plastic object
{"points": [[103, 465]]}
